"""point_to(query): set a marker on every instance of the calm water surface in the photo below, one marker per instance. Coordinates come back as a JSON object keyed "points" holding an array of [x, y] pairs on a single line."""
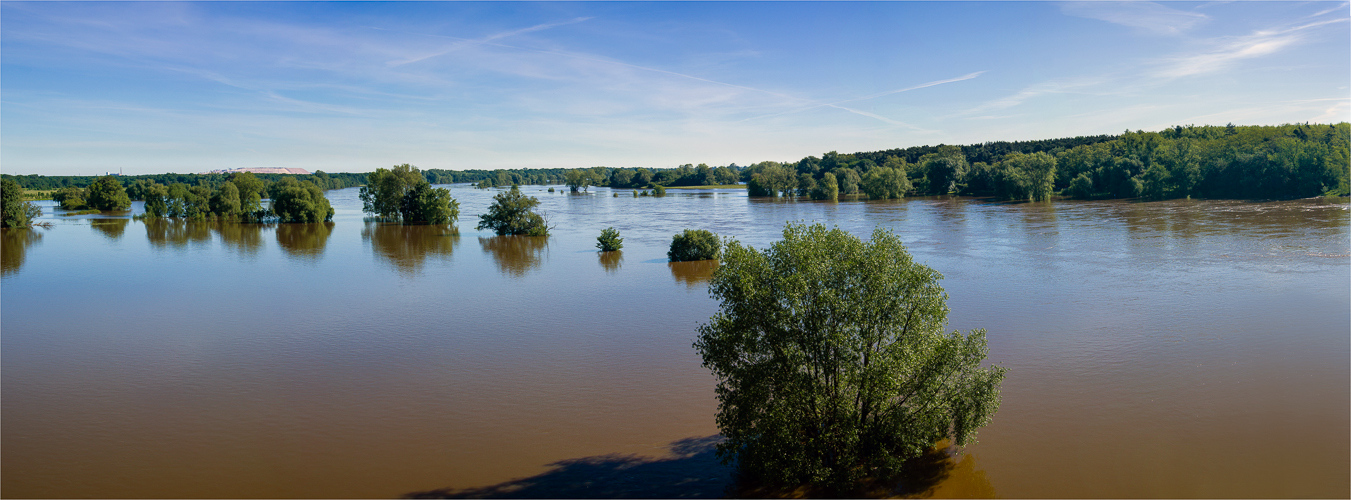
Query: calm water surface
{"points": [[1168, 349]]}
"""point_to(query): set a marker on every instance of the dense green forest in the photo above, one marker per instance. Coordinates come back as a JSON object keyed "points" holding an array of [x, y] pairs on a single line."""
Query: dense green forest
{"points": [[1246, 162]]}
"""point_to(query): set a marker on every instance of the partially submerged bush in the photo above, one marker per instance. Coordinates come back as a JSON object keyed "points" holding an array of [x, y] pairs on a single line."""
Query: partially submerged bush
{"points": [[295, 201], [18, 212], [512, 213], [694, 244], [609, 240], [107, 193]]}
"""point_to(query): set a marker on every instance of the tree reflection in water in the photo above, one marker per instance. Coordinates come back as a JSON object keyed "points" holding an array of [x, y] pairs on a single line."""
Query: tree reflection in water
{"points": [[14, 243], [693, 471], [110, 228], [612, 260], [694, 273], [304, 241], [515, 255], [407, 247], [170, 233], [245, 239]]}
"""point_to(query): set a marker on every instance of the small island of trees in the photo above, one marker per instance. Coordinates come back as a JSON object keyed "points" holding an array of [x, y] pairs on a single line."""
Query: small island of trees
{"points": [[17, 211], [403, 194], [513, 213]]}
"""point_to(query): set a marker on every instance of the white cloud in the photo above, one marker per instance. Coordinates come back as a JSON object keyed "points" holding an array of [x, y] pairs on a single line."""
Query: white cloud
{"points": [[1066, 86], [1339, 112], [1147, 16], [1231, 50]]}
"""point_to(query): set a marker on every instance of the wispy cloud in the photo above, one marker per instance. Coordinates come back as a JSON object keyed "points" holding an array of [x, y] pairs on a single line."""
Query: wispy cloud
{"points": [[1338, 112], [837, 104], [1064, 86], [1147, 16], [1340, 8], [462, 42], [1230, 51]]}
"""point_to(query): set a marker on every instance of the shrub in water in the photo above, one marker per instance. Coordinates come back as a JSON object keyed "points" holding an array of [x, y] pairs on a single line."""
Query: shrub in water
{"points": [[694, 244], [609, 240]]}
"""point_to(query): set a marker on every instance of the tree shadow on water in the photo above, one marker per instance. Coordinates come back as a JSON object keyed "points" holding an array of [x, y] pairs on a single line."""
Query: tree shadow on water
{"points": [[941, 472], [693, 472]]}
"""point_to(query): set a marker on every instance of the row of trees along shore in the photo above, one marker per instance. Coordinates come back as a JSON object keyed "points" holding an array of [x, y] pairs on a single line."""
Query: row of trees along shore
{"points": [[1243, 162], [1256, 162]]}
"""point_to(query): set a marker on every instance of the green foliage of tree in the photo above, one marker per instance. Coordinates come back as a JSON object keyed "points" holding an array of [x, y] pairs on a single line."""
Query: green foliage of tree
{"points": [[658, 190], [251, 190], [806, 184], [382, 196], [16, 211], [827, 188], [771, 179], [622, 178], [107, 193], [424, 204], [577, 179], [848, 180], [694, 244], [885, 183], [70, 198], [609, 240], [512, 213], [225, 201], [724, 176], [1081, 187], [943, 171], [156, 198], [833, 364], [295, 201], [1027, 176]]}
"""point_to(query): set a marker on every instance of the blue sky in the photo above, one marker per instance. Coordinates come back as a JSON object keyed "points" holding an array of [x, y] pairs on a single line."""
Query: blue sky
{"points": [[156, 87]]}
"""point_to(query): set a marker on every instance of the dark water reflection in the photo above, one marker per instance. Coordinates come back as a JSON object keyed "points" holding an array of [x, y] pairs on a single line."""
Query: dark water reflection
{"points": [[14, 243], [692, 471], [408, 247], [516, 255], [304, 241], [110, 228], [695, 273], [243, 239], [611, 261], [177, 234]]}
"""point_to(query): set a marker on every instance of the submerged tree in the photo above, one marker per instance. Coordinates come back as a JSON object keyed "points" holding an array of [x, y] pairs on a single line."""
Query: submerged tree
{"points": [[832, 361], [294, 201], [512, 213], [106, 193], [424, 204], [17, 211], [609, 240], [403, 194], [694, 244]]}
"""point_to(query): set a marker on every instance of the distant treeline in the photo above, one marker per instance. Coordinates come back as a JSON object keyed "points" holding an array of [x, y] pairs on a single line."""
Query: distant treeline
{"points": [[49, 182], [1249, 162], [1245, 162]]}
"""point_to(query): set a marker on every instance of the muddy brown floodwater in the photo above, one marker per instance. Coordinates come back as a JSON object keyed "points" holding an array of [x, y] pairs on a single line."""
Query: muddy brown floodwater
{"points": [[1163, 349]]}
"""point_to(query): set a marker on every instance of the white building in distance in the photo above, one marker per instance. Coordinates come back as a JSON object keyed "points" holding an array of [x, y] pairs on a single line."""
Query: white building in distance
{"points": [[262, 170]]}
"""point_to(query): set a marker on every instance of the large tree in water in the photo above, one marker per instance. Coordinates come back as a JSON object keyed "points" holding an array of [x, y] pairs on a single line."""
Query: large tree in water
{"points": [[833, 363]]}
